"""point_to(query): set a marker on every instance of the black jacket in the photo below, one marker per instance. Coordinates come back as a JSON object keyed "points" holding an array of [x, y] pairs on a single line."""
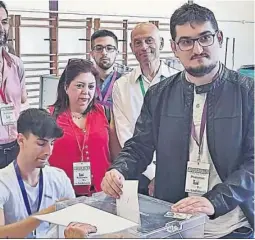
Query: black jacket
{"points": [[164, 125]]}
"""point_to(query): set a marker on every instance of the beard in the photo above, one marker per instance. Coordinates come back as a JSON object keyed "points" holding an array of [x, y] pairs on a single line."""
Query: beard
{"points": [[105, 65], [3, 38], [201, 70]]}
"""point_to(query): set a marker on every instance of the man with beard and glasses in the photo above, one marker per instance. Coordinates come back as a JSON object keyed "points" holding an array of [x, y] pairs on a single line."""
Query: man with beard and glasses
{"points": [[129, 90], [104, 45], [12, 93], [200, 122], [28, 184]]}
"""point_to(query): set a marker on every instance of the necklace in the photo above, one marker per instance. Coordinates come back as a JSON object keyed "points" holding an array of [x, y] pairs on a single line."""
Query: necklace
{"points": [[77, 117]]}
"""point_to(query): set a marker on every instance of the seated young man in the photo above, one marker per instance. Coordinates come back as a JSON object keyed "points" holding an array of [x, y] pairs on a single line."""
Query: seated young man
{"points": [[28, 184]]}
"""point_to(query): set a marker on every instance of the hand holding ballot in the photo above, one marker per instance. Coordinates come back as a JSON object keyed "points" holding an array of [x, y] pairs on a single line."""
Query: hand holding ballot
{"points": [[112, 183]]}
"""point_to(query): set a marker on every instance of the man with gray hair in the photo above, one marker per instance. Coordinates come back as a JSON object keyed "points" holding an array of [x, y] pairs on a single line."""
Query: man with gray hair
{"points": [[129, 90]]}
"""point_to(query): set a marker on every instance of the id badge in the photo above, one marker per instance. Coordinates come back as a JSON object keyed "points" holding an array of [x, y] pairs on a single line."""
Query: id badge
{"points": [[81, 173], [7, 114], [197, 177]]}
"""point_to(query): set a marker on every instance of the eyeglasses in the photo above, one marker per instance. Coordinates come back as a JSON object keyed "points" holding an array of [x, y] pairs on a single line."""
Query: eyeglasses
{"points": [[108, 48], [204, 41]]}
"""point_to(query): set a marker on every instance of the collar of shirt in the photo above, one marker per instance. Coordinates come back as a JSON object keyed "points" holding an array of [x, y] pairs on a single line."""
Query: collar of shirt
{"points": [[105, 82], [217, 80], [121, 69], [6, 57], [163, 71]]}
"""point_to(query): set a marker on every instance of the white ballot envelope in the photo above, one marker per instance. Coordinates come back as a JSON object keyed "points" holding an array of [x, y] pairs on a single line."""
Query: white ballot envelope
{"points": [[104, 221], [127, 205]]}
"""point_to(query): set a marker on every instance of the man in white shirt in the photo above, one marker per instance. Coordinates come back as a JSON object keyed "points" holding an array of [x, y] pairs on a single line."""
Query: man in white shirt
{"points": [[129, 91], [28, 184]]}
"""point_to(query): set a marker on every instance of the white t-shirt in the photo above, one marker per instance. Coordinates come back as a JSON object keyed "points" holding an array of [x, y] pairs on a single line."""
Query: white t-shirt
{"points": [[232, 220], [56, 185]]}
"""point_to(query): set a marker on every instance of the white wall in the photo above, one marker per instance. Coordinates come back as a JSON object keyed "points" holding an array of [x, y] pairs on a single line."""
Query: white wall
{"points": [[162, 8], [223, 10], [242, 32], [226, 12]]}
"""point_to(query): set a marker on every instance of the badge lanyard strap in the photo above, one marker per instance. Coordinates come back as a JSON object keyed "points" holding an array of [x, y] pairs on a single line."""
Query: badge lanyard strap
{"points": [[86, 134], [201, 132], [3, 86], [109, 90], [23, 189], [24, 192], [142, 85]]}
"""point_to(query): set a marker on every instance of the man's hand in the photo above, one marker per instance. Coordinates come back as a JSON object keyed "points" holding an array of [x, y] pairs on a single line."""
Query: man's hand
{"points": [[79, 230], [112, 183], [194, 204], [51, 208], [151, 187]]}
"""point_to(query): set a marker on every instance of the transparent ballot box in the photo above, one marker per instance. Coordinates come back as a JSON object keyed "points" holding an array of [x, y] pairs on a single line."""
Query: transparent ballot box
{"points": [[155, 219]]}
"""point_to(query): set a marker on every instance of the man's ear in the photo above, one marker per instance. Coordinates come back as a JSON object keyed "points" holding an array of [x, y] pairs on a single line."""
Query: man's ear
{"points": [[20, 139], [219, 36], [174, 47], [91, 54], [161, 43]]}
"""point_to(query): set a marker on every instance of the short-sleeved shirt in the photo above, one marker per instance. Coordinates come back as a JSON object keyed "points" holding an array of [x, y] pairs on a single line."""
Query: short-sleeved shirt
{"points": [[56, 185], [12, 73]]}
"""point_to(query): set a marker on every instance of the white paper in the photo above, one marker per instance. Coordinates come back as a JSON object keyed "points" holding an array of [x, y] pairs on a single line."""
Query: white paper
{"points": [[104, 221], [128, 205]]}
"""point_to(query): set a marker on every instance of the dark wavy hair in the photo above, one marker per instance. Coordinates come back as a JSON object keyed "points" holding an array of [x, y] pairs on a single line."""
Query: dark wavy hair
{"points": [[73, 69], [103, 33], [191, 13], [38, 122], [3, 5]]}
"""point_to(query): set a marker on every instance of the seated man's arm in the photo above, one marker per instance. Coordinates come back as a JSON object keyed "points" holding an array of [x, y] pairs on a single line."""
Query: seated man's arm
{"points": [[2, 221], [22, 228], [4, 197]]}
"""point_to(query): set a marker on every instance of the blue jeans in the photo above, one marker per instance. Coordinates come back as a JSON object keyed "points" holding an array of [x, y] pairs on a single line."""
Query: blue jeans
{"points": [[240, 233]]}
